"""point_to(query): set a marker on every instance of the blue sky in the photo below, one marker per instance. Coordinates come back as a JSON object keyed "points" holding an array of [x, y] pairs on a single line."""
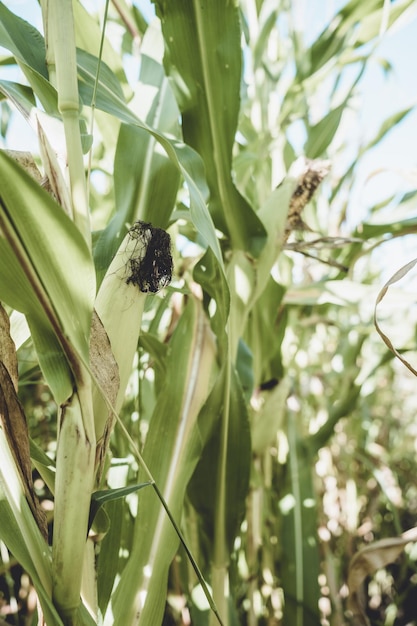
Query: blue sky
{"points": [[381, 97]]}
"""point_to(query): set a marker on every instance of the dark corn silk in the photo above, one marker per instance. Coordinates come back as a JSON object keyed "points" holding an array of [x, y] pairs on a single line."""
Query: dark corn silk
{"points": [[151, 263]]}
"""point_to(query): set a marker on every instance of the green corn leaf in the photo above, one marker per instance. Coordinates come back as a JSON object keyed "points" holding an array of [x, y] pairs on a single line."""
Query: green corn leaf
{"points": [[264, 333], [184, 159], [44, 465], [203, 489], [21, 95], [88, 68], [99, 498], [88, 37], [321, 134], [171, 451], [49, 275], [388, 124], [333, 40], [300, 555], [28, 48], [208, 273], [145, 180], [203, 56], [109, 556], [20, 533], [394, 220], [373, 23], [23, 40]]}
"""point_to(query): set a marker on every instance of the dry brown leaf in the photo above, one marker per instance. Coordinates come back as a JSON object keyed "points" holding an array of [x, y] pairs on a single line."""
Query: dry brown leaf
{"points": [[7, 347], [17, 435], [365, 563], [106, 374], [14, 421], [27, 162], [48, 127]]}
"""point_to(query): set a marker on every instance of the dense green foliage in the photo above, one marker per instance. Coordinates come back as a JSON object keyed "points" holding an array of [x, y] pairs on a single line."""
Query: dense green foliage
{"points": [[240, 447]]}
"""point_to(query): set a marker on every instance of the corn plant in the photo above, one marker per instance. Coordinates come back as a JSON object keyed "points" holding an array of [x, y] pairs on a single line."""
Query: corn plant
{"points": [[149, 268]]}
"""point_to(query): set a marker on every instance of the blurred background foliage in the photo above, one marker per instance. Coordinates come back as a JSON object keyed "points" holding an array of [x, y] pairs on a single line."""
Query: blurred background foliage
{"points": [[331, 411]]}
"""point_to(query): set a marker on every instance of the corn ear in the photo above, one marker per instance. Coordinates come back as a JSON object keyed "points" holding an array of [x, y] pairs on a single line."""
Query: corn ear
{"points": [[119, 306], [142, 264]]}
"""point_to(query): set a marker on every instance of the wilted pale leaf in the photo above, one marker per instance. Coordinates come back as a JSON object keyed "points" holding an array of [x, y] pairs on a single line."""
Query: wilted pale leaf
{"points": [[394, 279], [366, 562]]}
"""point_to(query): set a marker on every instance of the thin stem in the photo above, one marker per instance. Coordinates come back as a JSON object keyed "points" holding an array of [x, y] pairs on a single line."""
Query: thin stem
{"points": [[62, 47], [93, 100]]}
